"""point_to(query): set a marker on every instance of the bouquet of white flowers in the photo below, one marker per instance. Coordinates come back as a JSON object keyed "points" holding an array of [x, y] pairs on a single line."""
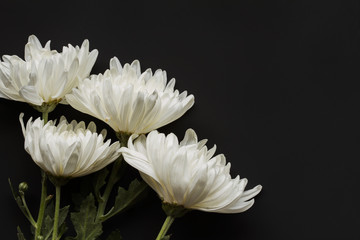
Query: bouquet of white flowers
{"points": [[185, 174]]}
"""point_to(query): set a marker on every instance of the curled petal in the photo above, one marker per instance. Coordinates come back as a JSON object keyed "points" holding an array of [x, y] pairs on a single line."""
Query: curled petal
{"points": [[69, 149], [130, 101], [187, 174], [46, 75]]}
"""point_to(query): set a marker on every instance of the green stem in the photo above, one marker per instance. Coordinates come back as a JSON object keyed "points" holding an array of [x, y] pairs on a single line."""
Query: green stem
{"points": [[56, 215], [42, 205], [110, 184], [41, 213], [28, 214], [114, 177], [45, 117], [165, 227]]}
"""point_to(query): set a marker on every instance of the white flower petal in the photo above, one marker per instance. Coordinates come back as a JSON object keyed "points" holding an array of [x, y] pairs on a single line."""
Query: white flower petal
{"points": [[187, 174], [189, 138], [68, 149], [30, 95], [130, 101], [45, 75], [138, 161]]}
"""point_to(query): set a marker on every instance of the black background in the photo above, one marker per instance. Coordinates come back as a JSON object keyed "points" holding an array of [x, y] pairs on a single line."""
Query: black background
{"points": [[275, 86]]}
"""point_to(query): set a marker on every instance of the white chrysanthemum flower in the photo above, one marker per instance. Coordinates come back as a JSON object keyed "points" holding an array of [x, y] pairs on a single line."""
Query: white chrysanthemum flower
{"points": [[186, 174], [46, 75], [68, 150], [130, 101]]}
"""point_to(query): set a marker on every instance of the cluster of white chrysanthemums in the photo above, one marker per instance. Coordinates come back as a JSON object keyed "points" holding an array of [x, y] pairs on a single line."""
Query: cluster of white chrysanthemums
{"points": [[185, 174]]}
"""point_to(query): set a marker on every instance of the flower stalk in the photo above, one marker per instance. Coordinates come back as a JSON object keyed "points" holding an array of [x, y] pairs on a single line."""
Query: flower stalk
{"points": [[43, 193], [110, 184], [21, 201], [165, 227], [45, 117], [28, 214], [57, 209], [185, 174], [42, 205], [113, 179]]}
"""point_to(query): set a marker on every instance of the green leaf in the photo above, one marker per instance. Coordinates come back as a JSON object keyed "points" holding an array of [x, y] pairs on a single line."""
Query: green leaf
{"points": [[115, 235], [48, 224], [62, 229], [20, 235], [167, 237], [99, 181], [84, 221], [126, 198]]}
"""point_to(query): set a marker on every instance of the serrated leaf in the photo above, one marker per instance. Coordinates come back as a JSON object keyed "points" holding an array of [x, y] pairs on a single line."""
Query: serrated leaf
{"points": [[99, 182], [48, 224], [20, 235], [84, 221], [115, 235], [63, 214], [126, 198]]}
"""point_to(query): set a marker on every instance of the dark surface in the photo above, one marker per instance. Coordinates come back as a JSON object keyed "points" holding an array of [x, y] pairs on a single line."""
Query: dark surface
{"points": [[275, 85]]}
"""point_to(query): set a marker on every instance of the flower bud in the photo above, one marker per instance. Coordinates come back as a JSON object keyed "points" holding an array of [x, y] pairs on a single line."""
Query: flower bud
{"points": [[23, 187]]}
